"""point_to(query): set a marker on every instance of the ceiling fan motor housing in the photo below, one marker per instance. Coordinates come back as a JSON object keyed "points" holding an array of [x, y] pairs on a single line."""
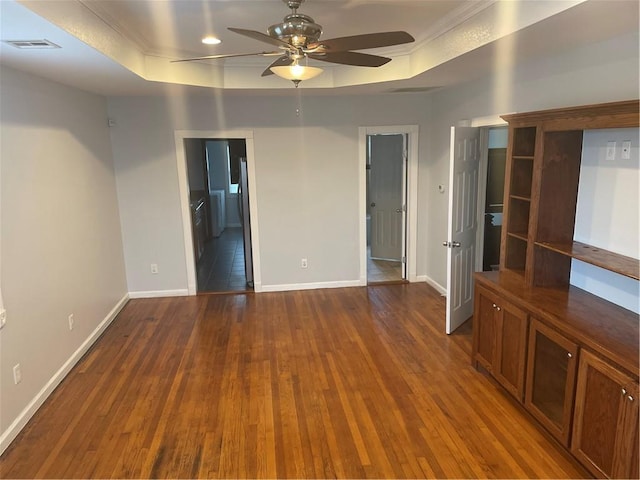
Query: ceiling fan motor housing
{"points": [[296, 29]]}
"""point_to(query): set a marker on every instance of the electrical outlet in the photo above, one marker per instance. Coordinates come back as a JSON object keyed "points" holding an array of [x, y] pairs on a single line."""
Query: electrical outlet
{"points": [[303, 263], [71, 322], [626, 150], [3, 318], [154, 268], [17, 374]]}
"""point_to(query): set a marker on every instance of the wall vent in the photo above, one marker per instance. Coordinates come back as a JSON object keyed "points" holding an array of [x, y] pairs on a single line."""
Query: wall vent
{"points": [[31, 44], [412, 89]]}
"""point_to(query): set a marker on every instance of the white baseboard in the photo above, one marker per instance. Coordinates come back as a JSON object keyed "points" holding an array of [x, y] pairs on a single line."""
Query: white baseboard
{"points": [[160, 293], [18, 424], [439, 288], [310, 286]]}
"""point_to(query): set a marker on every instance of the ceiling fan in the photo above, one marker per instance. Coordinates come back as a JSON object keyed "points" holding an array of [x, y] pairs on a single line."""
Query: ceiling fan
{"points": [[298, 38]]}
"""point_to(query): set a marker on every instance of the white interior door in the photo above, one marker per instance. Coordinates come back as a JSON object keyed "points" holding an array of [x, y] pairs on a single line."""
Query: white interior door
{"points": [[386, 195], [461, 235]]}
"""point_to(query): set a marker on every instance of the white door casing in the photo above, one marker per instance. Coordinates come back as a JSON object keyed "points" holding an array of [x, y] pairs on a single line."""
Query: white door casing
{"points": [[183, 185], [461, 232], [387, 195]]}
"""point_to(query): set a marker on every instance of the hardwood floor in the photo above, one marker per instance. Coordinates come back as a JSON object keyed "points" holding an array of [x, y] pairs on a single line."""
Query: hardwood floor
{"points": [[348, 383]]}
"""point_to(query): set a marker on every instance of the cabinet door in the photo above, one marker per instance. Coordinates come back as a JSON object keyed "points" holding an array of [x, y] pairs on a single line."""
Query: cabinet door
{"points": [[551, 373], [605, 432], [511, 348], [500, 340], [484, 328]]}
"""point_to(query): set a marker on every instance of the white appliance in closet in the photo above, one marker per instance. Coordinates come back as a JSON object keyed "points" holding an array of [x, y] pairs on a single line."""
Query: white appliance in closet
{"points": [[218, 211]]}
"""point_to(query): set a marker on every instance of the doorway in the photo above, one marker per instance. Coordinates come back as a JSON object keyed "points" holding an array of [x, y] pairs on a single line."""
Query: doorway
{"points": [[218, 199], [388, 203], [223, 262], [496, 159]]}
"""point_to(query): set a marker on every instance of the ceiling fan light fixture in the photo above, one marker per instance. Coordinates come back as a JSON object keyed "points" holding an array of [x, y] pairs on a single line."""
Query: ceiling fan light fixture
{"points": [[297, 73]]}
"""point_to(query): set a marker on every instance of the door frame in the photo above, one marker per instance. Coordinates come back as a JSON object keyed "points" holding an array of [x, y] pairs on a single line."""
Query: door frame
{"points": [[482, 189], [183, 185], [411, 131], [484, 123]]}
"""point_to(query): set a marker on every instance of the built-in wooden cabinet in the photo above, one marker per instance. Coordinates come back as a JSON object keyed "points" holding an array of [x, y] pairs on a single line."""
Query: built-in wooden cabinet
{"points": [[551, 375], [570, 356], [605, 427], [541, 191], [500, 345]]}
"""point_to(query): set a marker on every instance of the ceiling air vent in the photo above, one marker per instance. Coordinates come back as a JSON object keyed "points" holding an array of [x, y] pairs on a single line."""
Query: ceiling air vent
{"points": [[413, 89], [31, 44]]}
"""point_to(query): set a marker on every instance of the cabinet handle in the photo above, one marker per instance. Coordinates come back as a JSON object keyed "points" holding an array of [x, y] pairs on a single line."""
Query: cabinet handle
{"points": [[498, 308], [569, 355], [630, 398], [624, 391], [494, 305]]}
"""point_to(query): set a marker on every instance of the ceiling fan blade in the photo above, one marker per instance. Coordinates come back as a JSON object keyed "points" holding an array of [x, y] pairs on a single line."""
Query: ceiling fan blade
{"points": [[283, 61], [361, 42], [263, 37], [229, 55], [351, 58]]}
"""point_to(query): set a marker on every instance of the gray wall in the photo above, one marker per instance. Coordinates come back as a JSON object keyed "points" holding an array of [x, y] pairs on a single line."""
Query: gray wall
{"points": [[306, 178], [306, 165], [61, 237]]}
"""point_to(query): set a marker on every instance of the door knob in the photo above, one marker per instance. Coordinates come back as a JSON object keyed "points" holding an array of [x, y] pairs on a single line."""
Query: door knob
{"points": [[451, 244], [398, 210], [373, 204]]}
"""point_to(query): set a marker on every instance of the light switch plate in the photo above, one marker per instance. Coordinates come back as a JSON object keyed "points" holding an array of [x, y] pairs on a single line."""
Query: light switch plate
{"points": [[611, 151]]}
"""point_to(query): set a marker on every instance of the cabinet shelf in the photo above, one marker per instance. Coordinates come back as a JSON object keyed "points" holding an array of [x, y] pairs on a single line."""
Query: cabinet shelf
{"points": [[519, 211], [524, 142], [627, 266], [521, 177], [519, 235], [516, 251]]}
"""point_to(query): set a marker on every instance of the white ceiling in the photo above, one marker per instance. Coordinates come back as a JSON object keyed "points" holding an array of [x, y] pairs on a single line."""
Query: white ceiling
{"points": [[125, 47]]}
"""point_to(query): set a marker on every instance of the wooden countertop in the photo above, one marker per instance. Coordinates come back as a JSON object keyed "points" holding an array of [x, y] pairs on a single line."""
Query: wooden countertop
{"points": [[590, 321]]}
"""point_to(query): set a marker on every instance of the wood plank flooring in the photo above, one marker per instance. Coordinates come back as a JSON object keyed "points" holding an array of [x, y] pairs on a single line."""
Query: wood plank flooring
{"points": [[346, 383]]}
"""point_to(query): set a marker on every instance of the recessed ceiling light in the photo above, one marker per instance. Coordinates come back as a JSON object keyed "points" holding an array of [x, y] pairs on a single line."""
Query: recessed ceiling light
{"points": [[211, 40]]}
